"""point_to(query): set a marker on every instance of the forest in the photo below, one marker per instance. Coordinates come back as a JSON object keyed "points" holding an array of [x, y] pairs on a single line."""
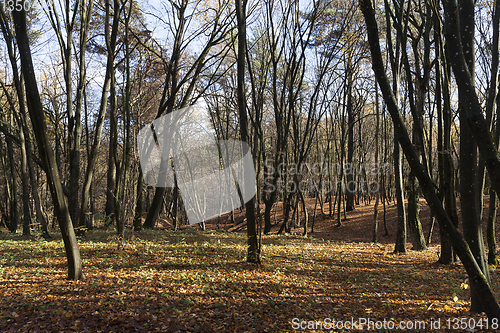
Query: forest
{"points": [[236, 165]]}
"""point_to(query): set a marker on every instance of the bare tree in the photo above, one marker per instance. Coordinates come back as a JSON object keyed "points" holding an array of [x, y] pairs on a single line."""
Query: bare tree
{"points": [[253, 255], [399, 18], [111, 40], [35, 109]]}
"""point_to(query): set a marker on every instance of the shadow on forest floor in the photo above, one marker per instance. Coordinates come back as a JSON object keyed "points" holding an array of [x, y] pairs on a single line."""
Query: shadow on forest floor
{"points": [[199, 282]]}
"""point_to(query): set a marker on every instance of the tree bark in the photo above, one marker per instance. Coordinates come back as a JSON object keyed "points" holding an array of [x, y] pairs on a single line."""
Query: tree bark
{"points": [[416, 100], [396, 66], [490, 230], [125, 164], [111, 47], [113, 144], [445, 161], [350, 185], [138, 202], [6, 210], [37, 116], [377, 194], [474, 272], [14, 213], [493, 99], [24, 181], [469, 189], [400, 246], [253, 255]]}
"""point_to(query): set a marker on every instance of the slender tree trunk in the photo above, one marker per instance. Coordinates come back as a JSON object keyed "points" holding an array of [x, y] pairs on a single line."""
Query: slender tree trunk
{"points": [[448, 255], [396, 66], [31, 171], [6, 213], [350, 185], [416, 96], [72, 143], [306, 214], [175, 208], [469, 191], [490, 103], [120, 210], [315, 212], [490, 229], [253, 255], [75, 131], [414, 224], [493, 99], [492, 211], [400, 246], [111, 173], [377, 193], [40, 215], [445, 245], [155, 208], [37, 117], [113, 162], [24, 182], [89, 220], [416, 233], [92, 159], [14, 213], [138, 202]]}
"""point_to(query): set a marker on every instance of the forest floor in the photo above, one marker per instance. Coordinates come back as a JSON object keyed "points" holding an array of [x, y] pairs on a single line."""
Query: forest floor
{"points": [[357, 225], [198, 281]]}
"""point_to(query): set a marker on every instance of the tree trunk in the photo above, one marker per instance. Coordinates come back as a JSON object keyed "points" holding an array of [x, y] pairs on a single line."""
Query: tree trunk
{"points": [[37, 117], [491, 94], [469, 192], [75, 131], [138, 202], [111, 173], [446, 179], [494, 99], [24, 182], [416, 234], [450, 199], [396, 66], [92, 159], [306, 214], [40, 216], [253, 255], [14, 213], [350, 185], [490, 229], [416, 106], [400, 246], [6, 211], [474, 272], [123, 173], [377, 194]]}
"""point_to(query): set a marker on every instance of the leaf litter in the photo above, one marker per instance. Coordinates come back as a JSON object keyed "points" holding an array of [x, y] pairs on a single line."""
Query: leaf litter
{"points": [[193, 281]]}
